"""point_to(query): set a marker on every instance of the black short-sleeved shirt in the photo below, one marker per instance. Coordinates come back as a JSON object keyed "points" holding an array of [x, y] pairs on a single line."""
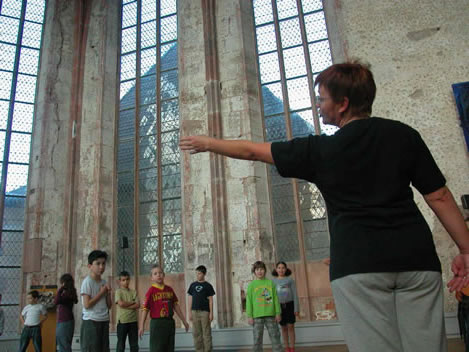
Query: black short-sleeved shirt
{"points": [[200, 292], [364, 172]]}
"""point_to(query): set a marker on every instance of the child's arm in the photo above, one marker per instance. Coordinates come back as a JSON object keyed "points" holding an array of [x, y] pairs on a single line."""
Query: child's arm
{"points": [[108, 297], [141, 325], [278, 312], [178, 311], [21, 318], [43, 318], [249, 308], [189, 304], [89, 302], [210, 306], [295, 298]]}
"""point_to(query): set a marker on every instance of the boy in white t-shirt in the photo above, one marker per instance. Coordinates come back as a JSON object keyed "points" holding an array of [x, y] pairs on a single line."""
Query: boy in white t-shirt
{"points": [[32, 317], [96, 300]]}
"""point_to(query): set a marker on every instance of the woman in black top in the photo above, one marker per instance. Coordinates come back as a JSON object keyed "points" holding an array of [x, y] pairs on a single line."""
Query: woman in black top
{"points": [[385, 273]]}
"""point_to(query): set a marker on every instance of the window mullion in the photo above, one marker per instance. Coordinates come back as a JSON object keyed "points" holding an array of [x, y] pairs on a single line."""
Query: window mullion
{"points": [[137, 142], [309, 72], [158, 135]]}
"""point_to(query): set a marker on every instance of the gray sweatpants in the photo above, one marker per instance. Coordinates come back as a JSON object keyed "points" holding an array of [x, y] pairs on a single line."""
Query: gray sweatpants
{"points": [[391, 312]]}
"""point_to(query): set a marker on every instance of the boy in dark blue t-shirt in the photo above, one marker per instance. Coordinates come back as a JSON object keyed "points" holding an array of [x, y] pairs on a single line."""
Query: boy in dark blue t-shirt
{"points": [[201, 313]]}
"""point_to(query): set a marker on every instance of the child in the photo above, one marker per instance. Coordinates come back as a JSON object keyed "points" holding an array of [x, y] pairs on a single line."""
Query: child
{"points": [[64, 300], [263, 308], [127, 318], [201, 312], [161, 302], [34, 315], [96, 300], [286, 292]]}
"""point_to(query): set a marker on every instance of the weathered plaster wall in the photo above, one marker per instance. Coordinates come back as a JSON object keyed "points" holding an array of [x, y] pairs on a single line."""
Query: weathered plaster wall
{"points": [[417, 49], [71, 186], [248, 212]]}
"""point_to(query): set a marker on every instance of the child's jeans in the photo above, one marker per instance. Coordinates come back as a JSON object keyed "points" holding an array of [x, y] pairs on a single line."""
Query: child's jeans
{"points": [[28, 333], [272, 329]]}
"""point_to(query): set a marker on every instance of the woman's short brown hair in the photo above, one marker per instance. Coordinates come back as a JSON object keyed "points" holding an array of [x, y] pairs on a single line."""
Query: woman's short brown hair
{"points": [[353, 80]]}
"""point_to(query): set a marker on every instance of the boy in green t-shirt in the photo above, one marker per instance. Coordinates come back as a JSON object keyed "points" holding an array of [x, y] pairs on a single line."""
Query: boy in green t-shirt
{"points": [[127, 317], [263, 308]]}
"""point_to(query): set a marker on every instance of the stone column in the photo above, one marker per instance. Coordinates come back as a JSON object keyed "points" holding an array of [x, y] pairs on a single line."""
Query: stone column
{"points": [[227, 219], [71, 190]]}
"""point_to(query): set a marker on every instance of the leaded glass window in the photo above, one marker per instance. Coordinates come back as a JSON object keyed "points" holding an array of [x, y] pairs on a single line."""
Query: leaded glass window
{"points": [[148, 159], [21, 23], [293, 48]]}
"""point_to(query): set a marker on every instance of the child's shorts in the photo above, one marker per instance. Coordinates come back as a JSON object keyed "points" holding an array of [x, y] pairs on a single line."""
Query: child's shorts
{"points": [[288, 313]]}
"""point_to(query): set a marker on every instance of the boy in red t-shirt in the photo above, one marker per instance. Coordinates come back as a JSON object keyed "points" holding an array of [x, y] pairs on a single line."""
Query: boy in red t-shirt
{"points": [[161, 302]]}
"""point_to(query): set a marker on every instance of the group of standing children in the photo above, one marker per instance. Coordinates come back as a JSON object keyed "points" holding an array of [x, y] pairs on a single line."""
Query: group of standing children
{"points": [[269, 302]]}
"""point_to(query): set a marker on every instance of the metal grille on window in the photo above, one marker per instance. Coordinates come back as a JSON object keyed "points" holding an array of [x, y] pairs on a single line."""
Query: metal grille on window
{"points": [[21, 23], [148, 161], [293, 48]]}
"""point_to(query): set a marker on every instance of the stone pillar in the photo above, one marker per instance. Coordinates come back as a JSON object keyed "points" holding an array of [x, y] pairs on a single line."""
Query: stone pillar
{"points": [[71, 190], [227, 222]]}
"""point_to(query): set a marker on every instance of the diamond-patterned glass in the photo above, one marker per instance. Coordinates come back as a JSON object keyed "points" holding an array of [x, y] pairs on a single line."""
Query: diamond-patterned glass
{"points": [[4, 106], [148, 36], [302, 123], [315, 25], [272, 97], [7, 56], [9, 29], [127, 91], [5, 84], [17, 179], [294, 61], [269, 68], [147, 120], [173, 254], [298, 93], [275, 129], [170, 115], [29, 61], [311, 5], [128, 66], [2, 144], [26, 88], [169, 84], [148, 10], [320, 54], [126, 124], [11, 8], [129, 15], [168, 7], [327, 129], [32, 35], [148, 90], [128, 40], [263, 11], [19, 148], [168, 29], [35, 10], [266, 40], [286, 8], [147, 61], [13, 216], [125, 155], [290, 32], [169, 56]]}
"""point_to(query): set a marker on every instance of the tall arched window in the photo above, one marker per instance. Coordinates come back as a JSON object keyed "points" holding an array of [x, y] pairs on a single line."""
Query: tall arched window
{"points": [[148, 160], [293, 47], [21, 25]]}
